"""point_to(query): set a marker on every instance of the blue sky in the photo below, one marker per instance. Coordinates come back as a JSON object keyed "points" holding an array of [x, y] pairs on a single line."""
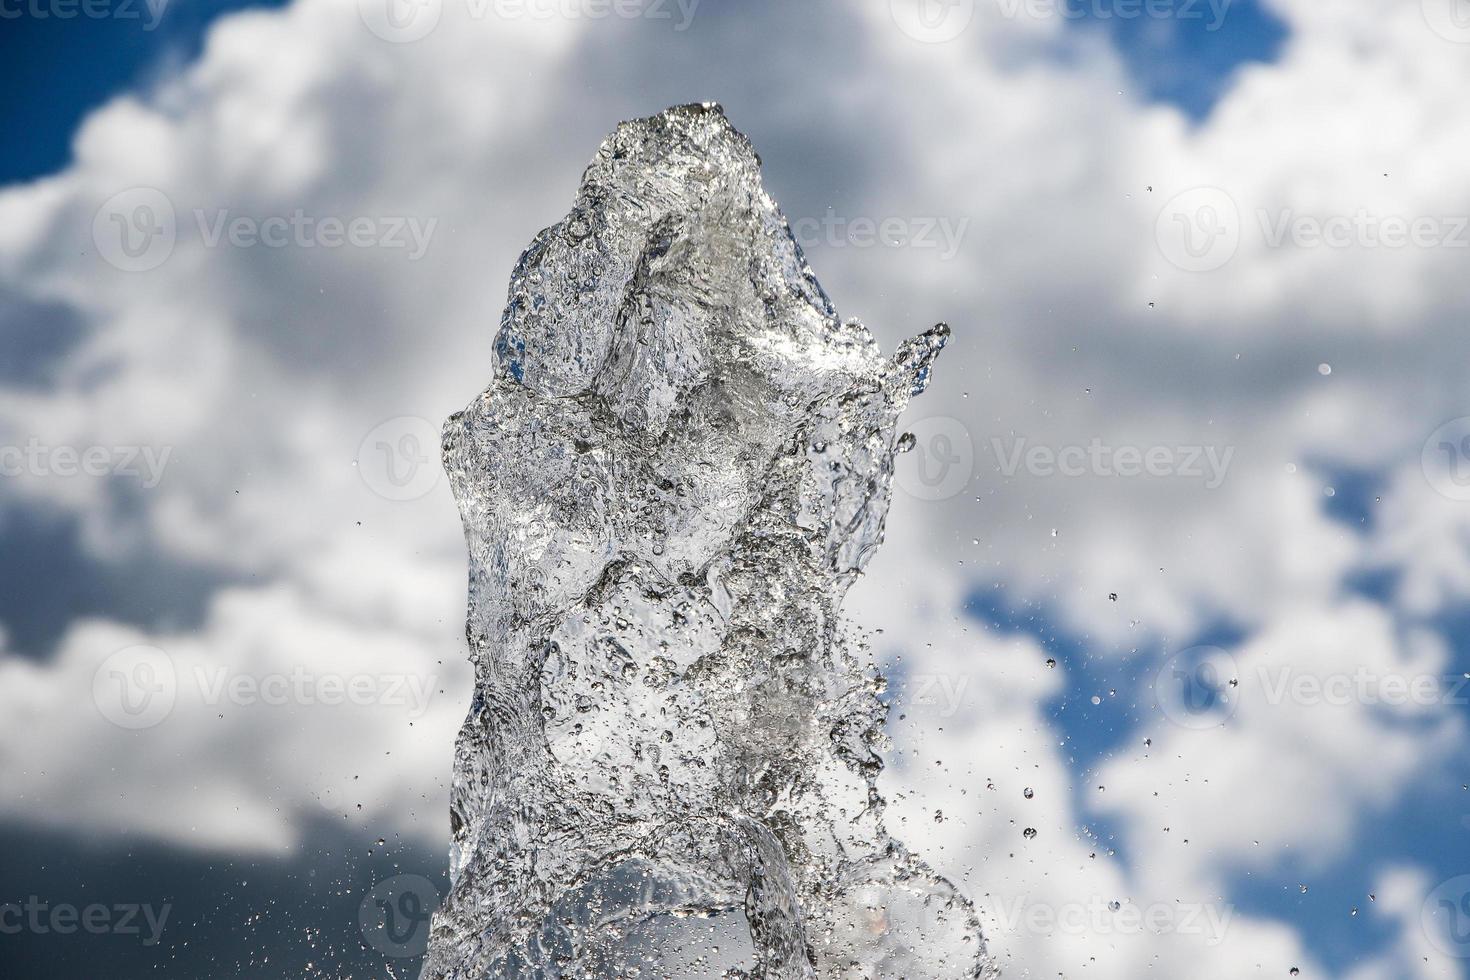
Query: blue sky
{"points": [[1428, 829], [70, 66], [1180, 61], [1187, 61]]}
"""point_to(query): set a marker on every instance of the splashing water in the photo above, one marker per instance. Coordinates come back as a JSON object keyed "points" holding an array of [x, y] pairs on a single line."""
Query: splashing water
{"points": [[682, 463]]}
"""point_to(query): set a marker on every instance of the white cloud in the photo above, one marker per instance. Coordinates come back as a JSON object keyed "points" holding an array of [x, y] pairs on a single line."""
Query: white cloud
{"points": [[1399, 897], [262, 370], [972, 775], [1310, 697], [275, 715], [1424, 536]]}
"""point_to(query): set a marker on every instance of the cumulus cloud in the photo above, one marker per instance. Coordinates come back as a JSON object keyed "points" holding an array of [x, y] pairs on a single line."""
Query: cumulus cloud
{"points": [[1417, 952], [1210, 797], [1114, 424], [285, 710], [1422, 534], [980, 785]]}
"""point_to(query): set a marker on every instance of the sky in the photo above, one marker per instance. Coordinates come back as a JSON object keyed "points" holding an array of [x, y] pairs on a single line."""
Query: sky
{"points": [[1177, 575]]}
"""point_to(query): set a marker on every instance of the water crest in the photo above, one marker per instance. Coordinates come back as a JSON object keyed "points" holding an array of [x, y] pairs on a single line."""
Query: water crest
{"points": [[682, 462]]}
